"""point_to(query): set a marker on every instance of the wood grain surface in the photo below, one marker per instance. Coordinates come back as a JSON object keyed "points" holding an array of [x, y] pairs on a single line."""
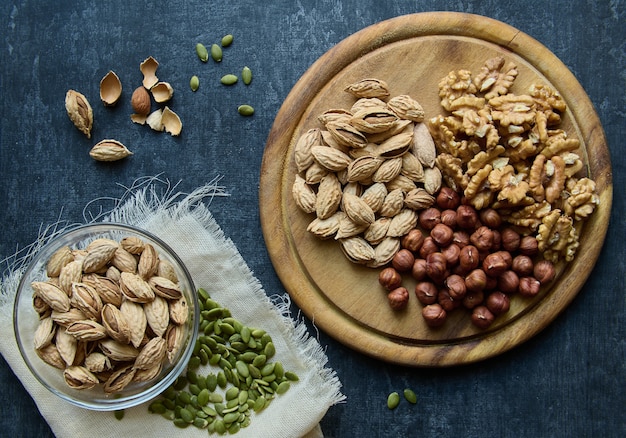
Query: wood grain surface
{"points": [[412, 53]]}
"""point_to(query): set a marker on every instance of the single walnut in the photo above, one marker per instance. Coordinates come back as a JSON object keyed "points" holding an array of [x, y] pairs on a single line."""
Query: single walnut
{"points": [[494, 79], [557, 238], [582, 200]]}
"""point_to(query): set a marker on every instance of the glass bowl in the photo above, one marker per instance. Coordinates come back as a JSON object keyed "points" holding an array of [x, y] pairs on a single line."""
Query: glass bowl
{"points": [[26, 320]]}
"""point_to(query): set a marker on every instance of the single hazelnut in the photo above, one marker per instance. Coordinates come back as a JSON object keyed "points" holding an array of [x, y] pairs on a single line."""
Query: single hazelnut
{"points": [[451, 253], [496, 263], [456, 287], [461, 238], [426, 292], [544, 271], [473, 299], [528, 246], [389, 278], [398, 298], [418, 271], [403, 260], [447, 199], [476, 280], [466, 217], [446, 301], [508, 282], [528, 287], [498, 303], [490, 218], [469, 258], [429, 218], [448, 217], [510, 239], [482, 238], [413, 240], [434, 315], [436, 266], [497, 241], [522, 265], [491, 284], [428, 247], [482, 317], [442, 234]]}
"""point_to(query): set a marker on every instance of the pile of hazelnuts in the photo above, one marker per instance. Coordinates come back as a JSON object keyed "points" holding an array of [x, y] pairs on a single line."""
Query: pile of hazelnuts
{"points": [[462, 258]]}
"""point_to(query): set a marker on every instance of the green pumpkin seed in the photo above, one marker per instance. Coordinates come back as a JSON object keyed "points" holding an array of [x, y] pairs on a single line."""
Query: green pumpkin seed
{"points": [[283, 387], [231, 393], [220, 427], [211, 382], [200, 423], [260, 360], [410, 396], [232, 405], [245, 331], [245, 110], [227, 40], [234, 428], [279, 370], [291, 376], [229, 79], [194, 83], [269, 350], [204, 295], [179, 422], [259, 404], [168, 415], [214, 397], [209, 411], [216, 53], [246, 75], [242, 368], [203, 397], [186, 416], [393, 400], [202, 52]]}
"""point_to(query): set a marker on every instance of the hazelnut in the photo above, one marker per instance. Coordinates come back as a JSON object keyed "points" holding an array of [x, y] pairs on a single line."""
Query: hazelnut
{"points": [[522, 265], [413, 240], [446, 301], [428, 247], [469, 257], [528, 287], [476, 280], [466, 217], [510, 239], [418, 271], [456, 287], [528, 246], [451, 253], [442, 234], [436, 266], [498, 303], [434, 315], [403, 260], [426, 292], [482, 317], [448, 217], [389, 278], [473, 299], [496, 263], [508, 282], [482, 238], [544, 271], [461, 238], [497, 240], [429, 218], [447, 199], [398, 298], [490, 218], [492, 283]]}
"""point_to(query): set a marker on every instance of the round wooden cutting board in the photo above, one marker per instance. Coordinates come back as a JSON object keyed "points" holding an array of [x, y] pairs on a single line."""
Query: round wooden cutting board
{"points": [[412, 53]]}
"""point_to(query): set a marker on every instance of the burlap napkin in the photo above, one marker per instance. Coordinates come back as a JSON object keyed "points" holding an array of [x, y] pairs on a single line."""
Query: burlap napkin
{"points": [[185, 223]]}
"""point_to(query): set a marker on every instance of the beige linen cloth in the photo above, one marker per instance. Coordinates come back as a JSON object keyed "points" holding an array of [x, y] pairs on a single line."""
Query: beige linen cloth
{"points": [[185, 223]]}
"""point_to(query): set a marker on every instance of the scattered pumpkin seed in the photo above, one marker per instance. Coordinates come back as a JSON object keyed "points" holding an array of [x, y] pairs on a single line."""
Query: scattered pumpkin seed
{"points": [[245, 110], [216, 53], [227, 40], [393, 400], [229, 79], [246, 75], [202, 52], [194, 83], [410, 396]]}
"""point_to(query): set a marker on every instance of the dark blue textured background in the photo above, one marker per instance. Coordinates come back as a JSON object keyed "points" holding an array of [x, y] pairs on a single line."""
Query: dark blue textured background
{"points": [[566, 382]]}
